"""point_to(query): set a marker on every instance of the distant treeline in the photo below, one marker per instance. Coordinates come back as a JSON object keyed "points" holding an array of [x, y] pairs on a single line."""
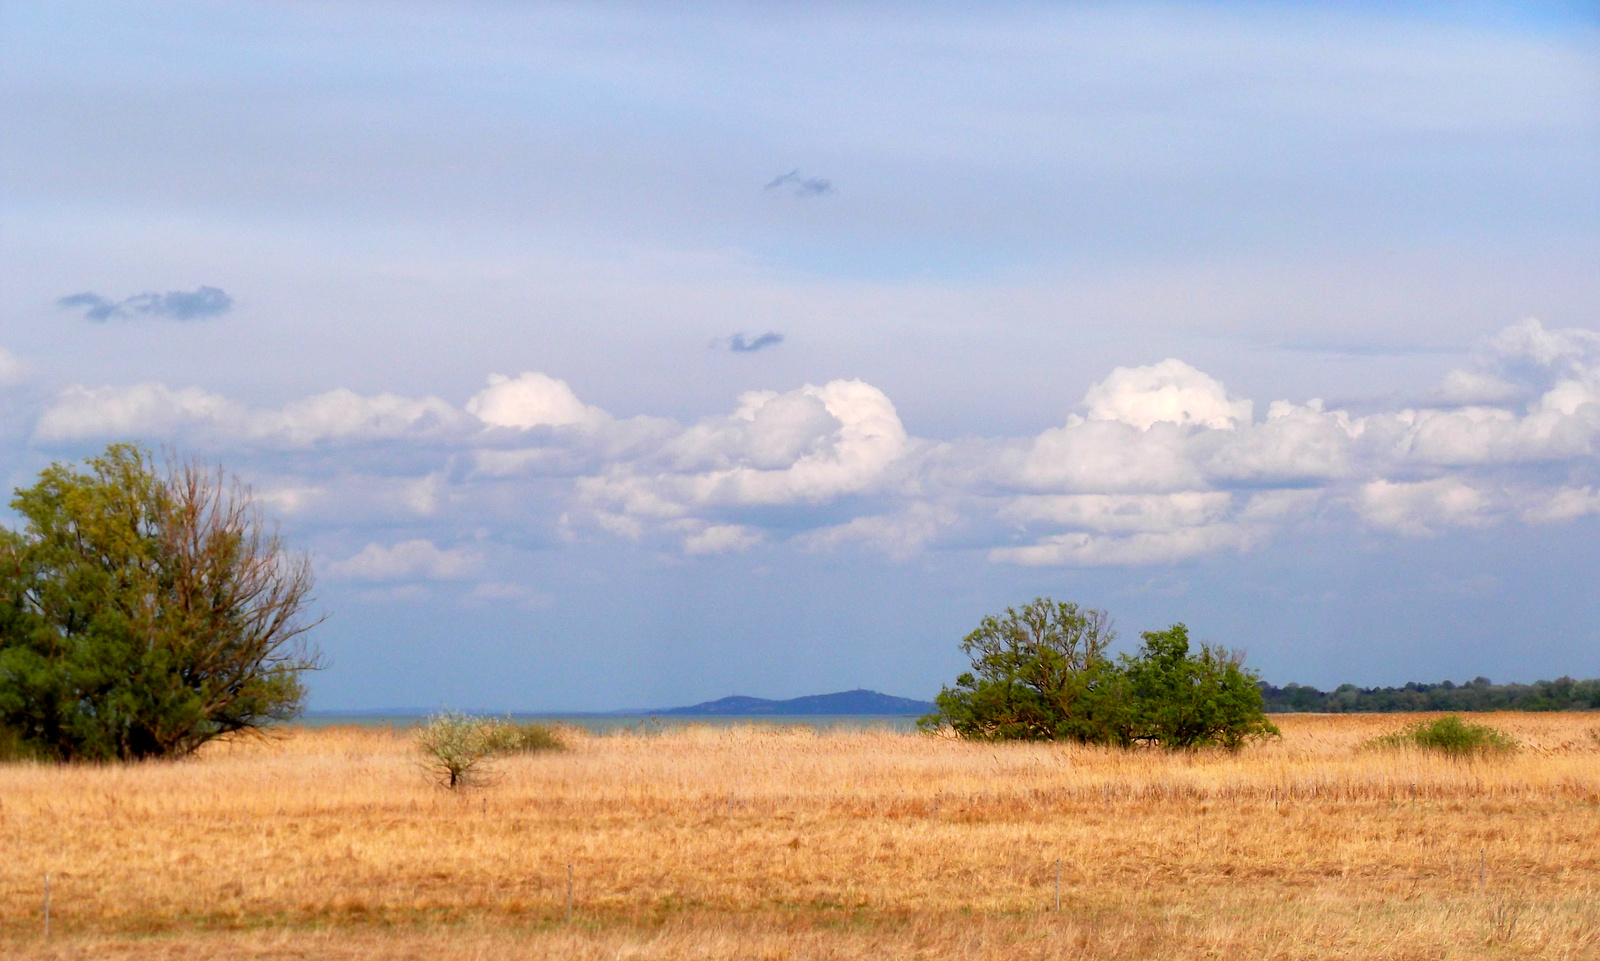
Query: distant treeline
{"points": [[1480, 694]]}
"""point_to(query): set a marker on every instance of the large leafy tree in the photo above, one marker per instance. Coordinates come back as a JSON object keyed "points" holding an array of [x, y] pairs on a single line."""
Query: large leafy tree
{"points": [[143, 613]]}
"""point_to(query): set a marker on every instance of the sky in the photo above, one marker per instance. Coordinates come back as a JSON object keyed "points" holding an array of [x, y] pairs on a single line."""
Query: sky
{"points": [[615, 355]]}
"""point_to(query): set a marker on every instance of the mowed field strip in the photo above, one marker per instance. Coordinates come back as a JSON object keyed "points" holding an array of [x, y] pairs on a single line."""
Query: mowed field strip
{"points": [[761, 842]]}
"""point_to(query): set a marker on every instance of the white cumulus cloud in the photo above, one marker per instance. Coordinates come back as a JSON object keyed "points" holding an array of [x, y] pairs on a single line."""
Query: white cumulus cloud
{"points": [[149, 408], [1169, 392], [1424, 507], [532, 399], [806, 446], [1529, 340], [408, 560]]}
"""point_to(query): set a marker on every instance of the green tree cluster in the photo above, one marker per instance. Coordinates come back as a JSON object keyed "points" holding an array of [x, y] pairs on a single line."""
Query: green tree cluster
{"points": [[1045, 673], [143, 614]]}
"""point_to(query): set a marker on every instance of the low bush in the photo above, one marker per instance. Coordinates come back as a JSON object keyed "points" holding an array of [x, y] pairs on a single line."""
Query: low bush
{"points": [[509, 737], [1449, 735], [455, 747]]}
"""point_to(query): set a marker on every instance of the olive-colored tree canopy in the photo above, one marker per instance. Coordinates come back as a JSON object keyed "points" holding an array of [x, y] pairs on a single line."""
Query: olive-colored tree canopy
{"points": [[1039, 673], [143, 613]]}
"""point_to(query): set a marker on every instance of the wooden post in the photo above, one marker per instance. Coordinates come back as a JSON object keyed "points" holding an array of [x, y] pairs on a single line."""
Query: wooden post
{"points": [[1483, 878], [569, 892], [47, 905], [1058, 885]]}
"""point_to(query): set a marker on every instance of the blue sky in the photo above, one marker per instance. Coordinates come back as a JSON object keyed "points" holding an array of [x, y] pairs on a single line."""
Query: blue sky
{"points": [[1276, 319]]}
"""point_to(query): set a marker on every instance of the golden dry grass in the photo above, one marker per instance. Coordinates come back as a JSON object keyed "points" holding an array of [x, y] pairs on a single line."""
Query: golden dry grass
{"points": [[778, 844]]}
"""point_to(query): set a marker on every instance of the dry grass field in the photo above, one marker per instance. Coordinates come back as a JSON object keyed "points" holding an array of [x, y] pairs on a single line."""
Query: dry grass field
{"points": [[788, 844]]}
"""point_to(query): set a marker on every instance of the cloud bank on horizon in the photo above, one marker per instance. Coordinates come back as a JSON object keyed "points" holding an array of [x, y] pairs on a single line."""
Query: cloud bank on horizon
{"points": [[1160, 463]]}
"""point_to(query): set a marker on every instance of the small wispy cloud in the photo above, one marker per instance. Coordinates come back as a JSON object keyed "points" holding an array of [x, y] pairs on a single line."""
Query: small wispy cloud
{"points": [[740, 344], [198, 304], [408, 560], [800, 186]]}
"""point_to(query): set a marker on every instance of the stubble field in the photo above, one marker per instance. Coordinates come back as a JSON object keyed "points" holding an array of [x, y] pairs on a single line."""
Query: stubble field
{"points": [[788, 844]]}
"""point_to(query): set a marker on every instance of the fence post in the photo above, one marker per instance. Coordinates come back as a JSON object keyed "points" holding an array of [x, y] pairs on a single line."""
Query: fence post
{"points": [[1483, 879], [1058, 885], [47, 905], [569, 892]]}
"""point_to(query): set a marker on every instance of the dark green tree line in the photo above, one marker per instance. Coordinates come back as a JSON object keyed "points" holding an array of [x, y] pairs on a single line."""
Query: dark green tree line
{"points": [[1479, 694]]}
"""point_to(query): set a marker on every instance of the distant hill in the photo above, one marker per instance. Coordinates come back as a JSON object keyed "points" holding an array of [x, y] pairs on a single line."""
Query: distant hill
{"points": [[859, 701]]}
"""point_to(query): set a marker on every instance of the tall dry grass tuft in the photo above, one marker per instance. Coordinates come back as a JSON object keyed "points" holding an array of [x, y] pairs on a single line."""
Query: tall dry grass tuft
{"points": [[787, 843]]}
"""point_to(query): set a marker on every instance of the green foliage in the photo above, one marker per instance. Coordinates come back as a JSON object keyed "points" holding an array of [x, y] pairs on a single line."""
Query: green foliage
{"points": [[1040, 673], [1043, 673], [14, 748], [1479, 694], [1183, 700], [455, 747], [1449, 735], [142, 615], [509, 737]]}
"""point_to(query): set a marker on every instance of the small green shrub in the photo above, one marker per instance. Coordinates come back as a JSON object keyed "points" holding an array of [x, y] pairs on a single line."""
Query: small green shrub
{"points": [[509, 737], [1449, 735], [455, 747]]}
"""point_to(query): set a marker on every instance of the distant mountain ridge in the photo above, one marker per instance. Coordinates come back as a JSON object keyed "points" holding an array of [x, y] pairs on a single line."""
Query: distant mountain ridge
{"points": [[860, 701]]}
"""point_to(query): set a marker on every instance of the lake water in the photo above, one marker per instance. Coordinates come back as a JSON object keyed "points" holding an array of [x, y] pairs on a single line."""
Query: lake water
{"points": [[642, 723]]}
